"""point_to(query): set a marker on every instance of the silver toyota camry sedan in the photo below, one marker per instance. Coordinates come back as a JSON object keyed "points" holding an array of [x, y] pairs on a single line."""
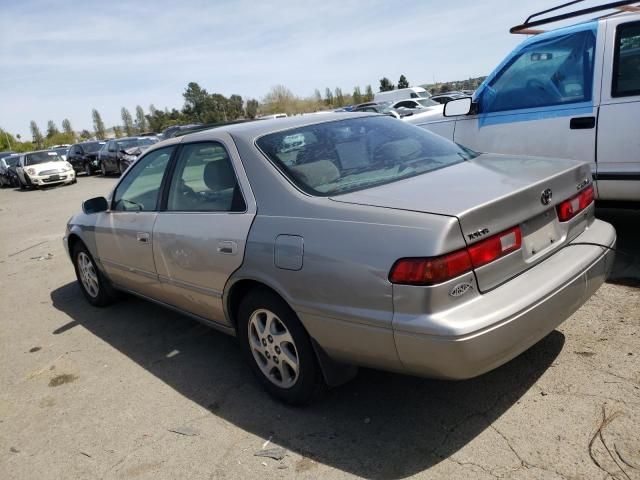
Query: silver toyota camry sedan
{"points": [[327, 242]]}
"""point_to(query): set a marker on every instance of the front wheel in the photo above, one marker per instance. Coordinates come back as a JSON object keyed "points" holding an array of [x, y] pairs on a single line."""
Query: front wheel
{"points": [[278, 348], [94, 286]]}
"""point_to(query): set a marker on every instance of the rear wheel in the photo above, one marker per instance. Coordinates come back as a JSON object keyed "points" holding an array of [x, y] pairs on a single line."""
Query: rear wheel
{"points": [[87, 169], [278, 348], [94, 286]]}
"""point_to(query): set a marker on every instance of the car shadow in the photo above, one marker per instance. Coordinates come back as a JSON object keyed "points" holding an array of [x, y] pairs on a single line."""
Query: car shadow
{"points": [[626, 269], [380, 425]]}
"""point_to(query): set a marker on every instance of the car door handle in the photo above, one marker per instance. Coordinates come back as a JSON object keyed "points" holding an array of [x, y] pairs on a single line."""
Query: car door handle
{"points": [[582, 123], [228, 247], [142, 237]]}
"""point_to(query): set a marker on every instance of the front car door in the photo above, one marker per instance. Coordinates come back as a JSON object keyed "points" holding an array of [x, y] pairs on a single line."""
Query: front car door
{"points": [[199, 237], [542, 100], [124, 233], [618, 175]]}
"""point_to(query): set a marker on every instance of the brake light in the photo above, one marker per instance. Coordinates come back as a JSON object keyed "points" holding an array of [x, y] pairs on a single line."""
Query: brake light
{"points": [[495, 247], [429, 271], [433, 270], [570, 208]]}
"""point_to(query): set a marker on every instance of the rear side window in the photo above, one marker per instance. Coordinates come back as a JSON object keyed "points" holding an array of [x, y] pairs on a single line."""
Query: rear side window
{"points": [[553, 71], [626, 62], [204, 181], [348, 155]]}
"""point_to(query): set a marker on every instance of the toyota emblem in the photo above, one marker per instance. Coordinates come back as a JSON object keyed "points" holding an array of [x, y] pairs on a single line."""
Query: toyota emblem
{"points": [[545, 198]]}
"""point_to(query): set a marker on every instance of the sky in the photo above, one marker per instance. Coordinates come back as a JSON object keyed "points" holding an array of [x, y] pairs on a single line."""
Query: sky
{"points": [[62, 59]]}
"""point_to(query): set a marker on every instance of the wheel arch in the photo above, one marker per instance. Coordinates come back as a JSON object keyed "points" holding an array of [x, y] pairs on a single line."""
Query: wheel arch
{"points": [[334, 373]]}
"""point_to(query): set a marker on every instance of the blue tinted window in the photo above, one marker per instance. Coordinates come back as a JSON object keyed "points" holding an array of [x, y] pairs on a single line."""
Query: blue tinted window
{"points": [[553, 71]]}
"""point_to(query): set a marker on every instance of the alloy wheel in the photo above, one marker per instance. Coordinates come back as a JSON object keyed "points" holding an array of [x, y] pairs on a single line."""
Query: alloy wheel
{"points": [[88, 275], [273, 348]]}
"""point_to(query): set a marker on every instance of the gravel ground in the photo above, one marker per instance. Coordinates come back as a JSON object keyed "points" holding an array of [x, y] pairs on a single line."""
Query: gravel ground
{"points": [[136, 391]]}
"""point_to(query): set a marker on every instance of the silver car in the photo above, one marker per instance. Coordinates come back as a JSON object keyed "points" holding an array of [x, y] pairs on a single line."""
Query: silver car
{"points": [[326, 242]]}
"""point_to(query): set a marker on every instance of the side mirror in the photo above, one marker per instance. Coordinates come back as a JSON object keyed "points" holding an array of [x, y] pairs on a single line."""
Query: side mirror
{"points": [[95, 205], [459, 106]]}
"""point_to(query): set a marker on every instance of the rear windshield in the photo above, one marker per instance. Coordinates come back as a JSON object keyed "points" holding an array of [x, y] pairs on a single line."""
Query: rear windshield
{"points": [[92, 147], [41, 157], [349, 155], [11, 161]]}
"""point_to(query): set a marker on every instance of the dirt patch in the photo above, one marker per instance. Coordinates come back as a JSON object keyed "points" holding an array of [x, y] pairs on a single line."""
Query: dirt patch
{"points": [[62, 379]]}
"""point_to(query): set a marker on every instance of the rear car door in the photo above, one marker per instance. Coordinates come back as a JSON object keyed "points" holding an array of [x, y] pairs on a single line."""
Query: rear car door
{"points": [[199, 237], [124, 233], [542, 100], [618, 174]]}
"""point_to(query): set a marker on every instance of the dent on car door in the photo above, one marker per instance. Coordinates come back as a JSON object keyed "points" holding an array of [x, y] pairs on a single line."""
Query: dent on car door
{"points": [[124, 233], [542, 101], [199, 238]]}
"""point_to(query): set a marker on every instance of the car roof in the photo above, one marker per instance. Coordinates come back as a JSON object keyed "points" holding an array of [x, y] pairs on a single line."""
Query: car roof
{"points": [[252, 130]]}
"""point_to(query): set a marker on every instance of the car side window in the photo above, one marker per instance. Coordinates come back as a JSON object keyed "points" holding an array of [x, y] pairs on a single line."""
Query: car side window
{"points": [[626, 61], [139, 190], [204, 181], [111, 146], [553, 71]]}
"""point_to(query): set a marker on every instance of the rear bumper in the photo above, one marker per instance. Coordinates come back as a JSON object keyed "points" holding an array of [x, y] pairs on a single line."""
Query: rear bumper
{"points": [[513, 317]]}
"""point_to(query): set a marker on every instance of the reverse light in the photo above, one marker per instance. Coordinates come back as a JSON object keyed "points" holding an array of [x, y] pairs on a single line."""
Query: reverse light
{"points": [[433, 270], [570, 208]]}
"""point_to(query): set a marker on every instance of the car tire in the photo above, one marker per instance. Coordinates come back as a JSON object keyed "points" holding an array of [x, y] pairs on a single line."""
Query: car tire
{"points": [[95, 287], [103, 169], [87, 169], [121, 170], [278, 348], [21, 185]]}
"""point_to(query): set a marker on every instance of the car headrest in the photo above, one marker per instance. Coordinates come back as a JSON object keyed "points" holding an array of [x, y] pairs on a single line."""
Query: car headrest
{"points": [[218, 175], [316, 173]]}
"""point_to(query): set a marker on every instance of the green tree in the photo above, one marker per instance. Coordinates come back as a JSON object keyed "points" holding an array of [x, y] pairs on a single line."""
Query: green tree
{"points": [[38, 139], [317, 96], [368, 96], [86, 135], [196, 100], [235, 105], [141, 120], [52, 129], [66, 127], [328, 97], [98, 125], [386, 85], [117, 131], [279, 100], [339, 97], [403, 82], [252, 108], [356, 96], [127, 122]]}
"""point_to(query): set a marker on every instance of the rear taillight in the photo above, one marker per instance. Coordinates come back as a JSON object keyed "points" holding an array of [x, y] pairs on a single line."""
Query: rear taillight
{"points": [[432, 270], [495, 247], [570, 208]]}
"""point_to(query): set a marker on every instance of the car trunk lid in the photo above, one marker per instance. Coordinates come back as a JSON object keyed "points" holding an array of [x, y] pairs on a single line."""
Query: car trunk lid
{"points": [[489, 195]]}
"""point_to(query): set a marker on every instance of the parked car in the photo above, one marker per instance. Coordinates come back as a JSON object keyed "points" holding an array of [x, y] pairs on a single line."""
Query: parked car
{"points": [[84, 157], [444, 98], [416, 105], [401, 94], [6, 154], [573, 92], [374, 243], [63, 151], [115, 155], [174, 130], [7, 175], [41, 168]]}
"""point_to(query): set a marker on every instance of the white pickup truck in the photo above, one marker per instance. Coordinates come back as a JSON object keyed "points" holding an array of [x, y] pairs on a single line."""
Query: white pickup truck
{"points": [[573, 92]]}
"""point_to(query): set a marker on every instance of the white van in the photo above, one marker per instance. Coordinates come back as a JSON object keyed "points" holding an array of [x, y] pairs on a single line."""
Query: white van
{"points": [[573, 92], [400, 94]]}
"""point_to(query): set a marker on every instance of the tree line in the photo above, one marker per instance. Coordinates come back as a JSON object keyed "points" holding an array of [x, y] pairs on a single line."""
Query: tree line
{"points": [[200, 106]]}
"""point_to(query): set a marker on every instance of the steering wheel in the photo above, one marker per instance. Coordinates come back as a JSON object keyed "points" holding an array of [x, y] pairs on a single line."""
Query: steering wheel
{"points": [[538, 85]]}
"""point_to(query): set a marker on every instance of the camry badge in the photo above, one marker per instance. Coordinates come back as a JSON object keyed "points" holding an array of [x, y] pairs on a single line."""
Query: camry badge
{"points": [[460, 289], [545, 198]]}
